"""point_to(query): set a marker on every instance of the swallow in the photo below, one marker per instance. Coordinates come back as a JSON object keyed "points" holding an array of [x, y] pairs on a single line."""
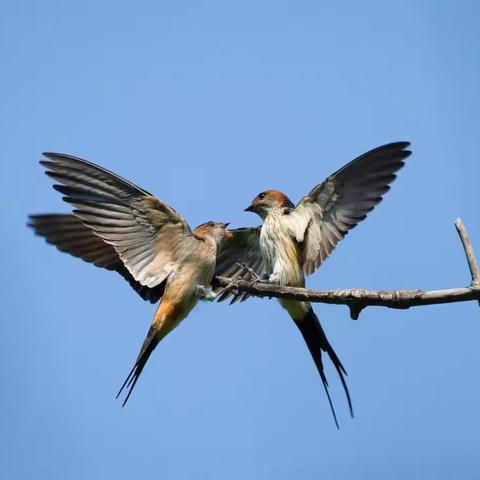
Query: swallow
{"points": [[119, 226], [314, 226], [294, 240]]}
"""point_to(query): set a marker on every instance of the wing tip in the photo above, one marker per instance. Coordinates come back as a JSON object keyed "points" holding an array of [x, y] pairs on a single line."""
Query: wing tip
{"points": [[400, 144]]}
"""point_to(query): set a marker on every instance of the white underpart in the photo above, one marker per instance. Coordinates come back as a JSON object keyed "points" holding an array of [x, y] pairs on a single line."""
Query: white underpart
{"points": [[280, 252]]}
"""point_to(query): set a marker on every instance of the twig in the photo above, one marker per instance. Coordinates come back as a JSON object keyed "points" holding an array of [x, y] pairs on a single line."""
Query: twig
{"points": [[252, 272], [358, 299]]}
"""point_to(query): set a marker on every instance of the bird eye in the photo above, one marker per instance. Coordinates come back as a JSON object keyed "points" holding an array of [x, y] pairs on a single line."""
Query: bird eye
{"points": [[210, 224], [261, 195]]}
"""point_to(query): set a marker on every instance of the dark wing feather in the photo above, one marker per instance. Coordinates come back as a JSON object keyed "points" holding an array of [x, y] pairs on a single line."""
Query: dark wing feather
{"points": [[242, 248], [331, 209], [69, 234]]}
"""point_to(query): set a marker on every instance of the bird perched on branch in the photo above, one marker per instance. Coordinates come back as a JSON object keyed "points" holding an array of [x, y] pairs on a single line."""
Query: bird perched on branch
{"points": [[119, 226], [295, 240], [292, 242]]}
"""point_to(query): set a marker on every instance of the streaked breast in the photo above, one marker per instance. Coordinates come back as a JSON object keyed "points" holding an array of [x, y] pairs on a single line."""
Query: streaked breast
{"points": [[280, 251]]}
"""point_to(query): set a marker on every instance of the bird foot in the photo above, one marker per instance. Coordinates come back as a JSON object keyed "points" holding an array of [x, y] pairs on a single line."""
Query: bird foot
{"points": [[273, 279], [206, 293]]}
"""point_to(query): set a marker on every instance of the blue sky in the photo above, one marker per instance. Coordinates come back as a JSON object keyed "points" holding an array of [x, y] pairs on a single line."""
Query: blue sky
{"points": [[205, 104]]}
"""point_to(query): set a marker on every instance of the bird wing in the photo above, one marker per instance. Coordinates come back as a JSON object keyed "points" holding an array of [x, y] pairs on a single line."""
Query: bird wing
{"points": [[332, 208], [240, 250], [69, 234], [150, 238]]}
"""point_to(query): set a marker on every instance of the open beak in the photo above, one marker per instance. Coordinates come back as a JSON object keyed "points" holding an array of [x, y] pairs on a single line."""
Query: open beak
{"points": [[249, 209]]}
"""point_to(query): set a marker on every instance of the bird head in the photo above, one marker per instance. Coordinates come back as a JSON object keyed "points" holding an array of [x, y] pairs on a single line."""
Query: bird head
{"points": [[269, 201], [214, 230]]}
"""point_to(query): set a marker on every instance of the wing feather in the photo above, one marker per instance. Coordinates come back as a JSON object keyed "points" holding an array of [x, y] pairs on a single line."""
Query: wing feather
{"points": [[69, 234], [148, 236], [242, 248], [332, 208]]}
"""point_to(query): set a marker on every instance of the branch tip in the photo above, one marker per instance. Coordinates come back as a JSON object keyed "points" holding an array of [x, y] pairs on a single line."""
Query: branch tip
{"points": [[469, 252]]}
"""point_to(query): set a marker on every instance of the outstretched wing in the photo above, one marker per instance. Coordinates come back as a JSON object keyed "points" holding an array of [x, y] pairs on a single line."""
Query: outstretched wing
{"points": [[150, 238], [69, 234], [331, 209], [240, 250]]}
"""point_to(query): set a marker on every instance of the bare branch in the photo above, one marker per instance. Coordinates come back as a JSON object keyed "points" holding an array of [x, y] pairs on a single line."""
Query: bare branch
{"points": [[358, 299]]}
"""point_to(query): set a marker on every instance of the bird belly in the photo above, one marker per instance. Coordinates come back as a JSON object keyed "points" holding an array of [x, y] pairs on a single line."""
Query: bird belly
{"points": [[282, 258], [177, 305], [181, 293]]}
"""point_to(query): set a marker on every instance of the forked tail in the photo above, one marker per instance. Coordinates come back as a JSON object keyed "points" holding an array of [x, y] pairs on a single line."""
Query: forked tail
{"points": [[151, 341], [317, 341]]}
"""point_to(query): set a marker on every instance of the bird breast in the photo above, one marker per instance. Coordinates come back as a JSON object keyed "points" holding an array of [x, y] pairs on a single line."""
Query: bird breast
{"points": [[195, 269], [201, 265], [280, 251]]}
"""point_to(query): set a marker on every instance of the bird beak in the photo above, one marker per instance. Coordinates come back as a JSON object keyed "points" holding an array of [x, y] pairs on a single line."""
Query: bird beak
{"points": [[249, 209], [225, 225]]}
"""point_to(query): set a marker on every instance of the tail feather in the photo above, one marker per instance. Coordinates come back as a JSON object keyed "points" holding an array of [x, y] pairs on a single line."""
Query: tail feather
{"points": [[317, 341], [151, 341]]}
